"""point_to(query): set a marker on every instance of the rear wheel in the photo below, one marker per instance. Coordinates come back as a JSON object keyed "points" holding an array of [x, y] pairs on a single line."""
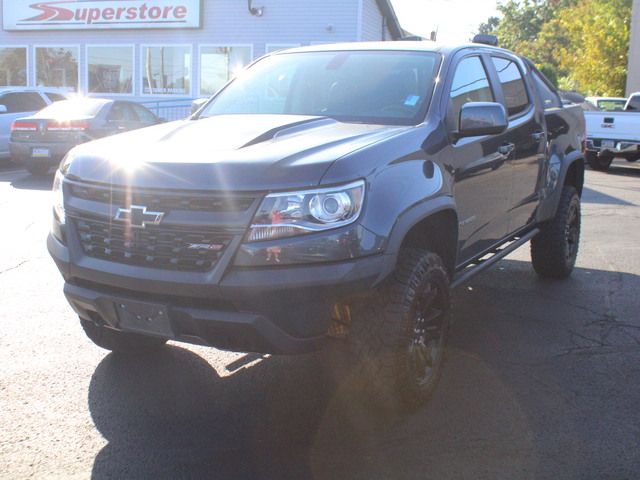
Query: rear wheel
{"points": [[400, 337], [120, 342], [555, 249], [37, 169], [601, 164]]}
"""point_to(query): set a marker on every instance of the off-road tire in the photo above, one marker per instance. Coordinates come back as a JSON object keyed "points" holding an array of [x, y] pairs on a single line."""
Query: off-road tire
{"points": [[601, 164], [120, 342], [404, 324], [555, 249], [37, 169]]}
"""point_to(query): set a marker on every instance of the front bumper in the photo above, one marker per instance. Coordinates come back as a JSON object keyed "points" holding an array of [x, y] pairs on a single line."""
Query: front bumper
{"points": [[283, 310]]}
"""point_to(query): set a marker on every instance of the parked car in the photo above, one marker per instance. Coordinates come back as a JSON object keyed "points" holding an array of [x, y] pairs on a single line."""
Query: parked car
{"points": [[614, 135], [607, 104], [41, 140], [16, 102], [331, 193]]}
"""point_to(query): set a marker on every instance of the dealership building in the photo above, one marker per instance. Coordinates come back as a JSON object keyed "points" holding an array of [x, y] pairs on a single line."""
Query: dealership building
{"points": [[168, 49]]}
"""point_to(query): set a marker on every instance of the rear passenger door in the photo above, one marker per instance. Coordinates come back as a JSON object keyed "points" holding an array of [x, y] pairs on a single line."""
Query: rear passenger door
{"points": [[18, 105], [482, 176], [527, 133]]}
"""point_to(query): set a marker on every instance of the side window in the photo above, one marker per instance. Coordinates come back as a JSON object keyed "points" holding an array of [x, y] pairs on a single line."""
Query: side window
{"points": [[470, 84], [144, 115], [549, 97], [515, 92], [22, 102], [55, 97], [121, 112]]}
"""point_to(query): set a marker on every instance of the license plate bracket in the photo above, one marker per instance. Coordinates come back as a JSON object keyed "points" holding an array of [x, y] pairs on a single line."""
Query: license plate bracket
{"points": [[40, 152], [143, 317], [608, 144]]}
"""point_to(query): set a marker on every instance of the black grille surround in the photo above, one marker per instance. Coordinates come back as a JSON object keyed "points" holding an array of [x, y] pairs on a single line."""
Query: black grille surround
{"points": [[163, 247]]}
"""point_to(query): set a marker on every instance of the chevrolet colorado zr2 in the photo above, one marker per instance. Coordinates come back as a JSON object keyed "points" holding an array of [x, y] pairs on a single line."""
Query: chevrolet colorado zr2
{"points": [[327, 191]]}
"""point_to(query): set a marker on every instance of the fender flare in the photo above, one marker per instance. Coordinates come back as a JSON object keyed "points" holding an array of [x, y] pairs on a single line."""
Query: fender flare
{"points": [[555, 180], [406, 221]]}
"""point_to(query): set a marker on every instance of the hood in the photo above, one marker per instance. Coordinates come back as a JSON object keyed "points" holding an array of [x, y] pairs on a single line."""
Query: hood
{"points": [[225, 152]]}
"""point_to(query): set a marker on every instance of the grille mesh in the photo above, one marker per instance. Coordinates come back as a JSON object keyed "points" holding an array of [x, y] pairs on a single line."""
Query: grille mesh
{"points": [[156, 247]]}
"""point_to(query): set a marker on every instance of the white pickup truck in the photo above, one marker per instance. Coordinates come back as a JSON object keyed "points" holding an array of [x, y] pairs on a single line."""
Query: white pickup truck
{"points": [[613, 135]]}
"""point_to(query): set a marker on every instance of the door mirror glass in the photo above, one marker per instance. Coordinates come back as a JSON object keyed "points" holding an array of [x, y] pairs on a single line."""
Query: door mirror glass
{"points": [[3, 109], [482, 118]]}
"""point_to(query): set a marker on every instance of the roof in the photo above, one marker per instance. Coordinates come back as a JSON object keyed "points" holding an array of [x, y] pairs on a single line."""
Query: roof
{"points": [[411, 46], [392, 20]]}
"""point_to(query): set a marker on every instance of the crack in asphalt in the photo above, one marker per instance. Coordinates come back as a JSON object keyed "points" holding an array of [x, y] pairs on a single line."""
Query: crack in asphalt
{"points": [[15, 267]]}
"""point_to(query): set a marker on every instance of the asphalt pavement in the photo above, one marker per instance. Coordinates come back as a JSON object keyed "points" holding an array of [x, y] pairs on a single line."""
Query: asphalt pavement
{"points": [[542, 379]]}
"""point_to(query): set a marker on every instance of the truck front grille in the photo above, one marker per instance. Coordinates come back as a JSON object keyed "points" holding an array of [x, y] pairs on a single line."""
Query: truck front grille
{"points": [[169, 248], [162, 200]]}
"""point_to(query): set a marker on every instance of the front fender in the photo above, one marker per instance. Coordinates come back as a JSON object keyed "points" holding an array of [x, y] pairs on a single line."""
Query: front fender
{"points": [[406, 221]]}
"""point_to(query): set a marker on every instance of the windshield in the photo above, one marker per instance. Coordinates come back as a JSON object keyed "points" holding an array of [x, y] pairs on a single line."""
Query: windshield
{"points": [[385, 87], [72, 109]]}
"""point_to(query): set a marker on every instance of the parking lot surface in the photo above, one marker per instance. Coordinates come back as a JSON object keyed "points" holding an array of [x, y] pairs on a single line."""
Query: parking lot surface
{"points": [[542, 378]]}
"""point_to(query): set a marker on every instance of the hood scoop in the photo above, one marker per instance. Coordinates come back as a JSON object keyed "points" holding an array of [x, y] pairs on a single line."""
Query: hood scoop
{"points": [[290, 129]]}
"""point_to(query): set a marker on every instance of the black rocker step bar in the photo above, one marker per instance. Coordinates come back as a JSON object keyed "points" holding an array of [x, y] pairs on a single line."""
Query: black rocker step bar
{"points": [[490, 258]]}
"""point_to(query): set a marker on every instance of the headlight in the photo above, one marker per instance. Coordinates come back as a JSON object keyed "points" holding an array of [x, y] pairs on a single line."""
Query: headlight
{"points": [[58, 198], [298, 213]]}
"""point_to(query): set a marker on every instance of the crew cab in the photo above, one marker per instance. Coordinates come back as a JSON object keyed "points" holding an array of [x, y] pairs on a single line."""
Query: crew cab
{"points": [[614, 134], [330, 193]]}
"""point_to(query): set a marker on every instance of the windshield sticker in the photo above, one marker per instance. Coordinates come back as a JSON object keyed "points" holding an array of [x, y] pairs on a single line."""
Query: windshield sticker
{"points": [[412, 100]]}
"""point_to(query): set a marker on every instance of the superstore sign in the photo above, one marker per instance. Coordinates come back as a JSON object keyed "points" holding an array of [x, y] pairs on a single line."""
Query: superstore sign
{"points": [[89, 15]]}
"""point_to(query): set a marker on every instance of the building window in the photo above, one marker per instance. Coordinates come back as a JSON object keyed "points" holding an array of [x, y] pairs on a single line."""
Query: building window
{"points": [[166, 70], [13, 67], [219, 64], [110, 69], [57, 67]]}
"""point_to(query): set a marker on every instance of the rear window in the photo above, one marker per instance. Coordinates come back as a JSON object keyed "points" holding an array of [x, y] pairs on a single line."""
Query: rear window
{"points": [[513, 87], [72, 108]]}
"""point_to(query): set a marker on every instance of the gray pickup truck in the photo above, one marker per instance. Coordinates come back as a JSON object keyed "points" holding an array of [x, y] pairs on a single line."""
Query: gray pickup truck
{"points": [[328, 194]]}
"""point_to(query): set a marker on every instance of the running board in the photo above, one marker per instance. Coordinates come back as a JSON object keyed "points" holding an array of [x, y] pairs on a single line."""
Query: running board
{"points": [[479, 265]]}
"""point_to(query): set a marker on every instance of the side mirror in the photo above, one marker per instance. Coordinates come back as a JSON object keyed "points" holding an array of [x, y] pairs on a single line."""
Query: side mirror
{"points": [[3, 109], [482, 118]]}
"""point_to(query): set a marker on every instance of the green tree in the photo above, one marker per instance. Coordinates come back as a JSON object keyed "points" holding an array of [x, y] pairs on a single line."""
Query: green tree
{"points": [[581, 44]]}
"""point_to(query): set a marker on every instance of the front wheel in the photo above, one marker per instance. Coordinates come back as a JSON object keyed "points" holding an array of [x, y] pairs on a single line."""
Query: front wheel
{"points": [[555, 249], [601, 164], [400, 336], [120, 342]]}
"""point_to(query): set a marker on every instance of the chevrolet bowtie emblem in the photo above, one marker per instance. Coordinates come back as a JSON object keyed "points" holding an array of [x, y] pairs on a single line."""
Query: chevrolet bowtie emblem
{"points": [[138, 217]]}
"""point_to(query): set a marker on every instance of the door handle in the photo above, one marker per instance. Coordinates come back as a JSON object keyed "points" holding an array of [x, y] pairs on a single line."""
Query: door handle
{"points": [[506, 149], [538, 136]]}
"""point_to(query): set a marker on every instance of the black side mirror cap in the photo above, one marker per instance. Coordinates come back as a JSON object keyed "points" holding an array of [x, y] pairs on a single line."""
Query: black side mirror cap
{"points": [[482, 118]]}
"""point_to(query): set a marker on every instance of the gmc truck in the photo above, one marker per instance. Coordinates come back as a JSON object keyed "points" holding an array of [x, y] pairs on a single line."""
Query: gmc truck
{"points": [[613, 135], [327, 194]]}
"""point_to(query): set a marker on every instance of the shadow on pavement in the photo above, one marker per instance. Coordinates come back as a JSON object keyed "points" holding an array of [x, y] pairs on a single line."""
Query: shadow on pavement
{"points": [[536, 371], [170, 415], [29, 182], [624, 168]]}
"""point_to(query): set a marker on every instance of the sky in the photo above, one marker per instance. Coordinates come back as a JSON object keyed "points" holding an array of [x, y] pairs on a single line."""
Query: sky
{"points": [[456, 20]]}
